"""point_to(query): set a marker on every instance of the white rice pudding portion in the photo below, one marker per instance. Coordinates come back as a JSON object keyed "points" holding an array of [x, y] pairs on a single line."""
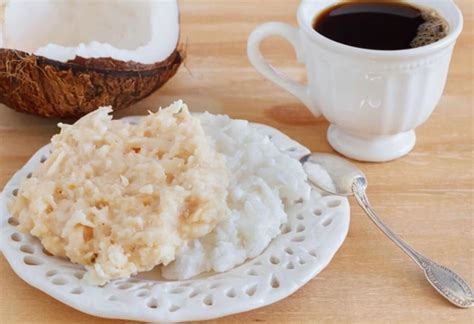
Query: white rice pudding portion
{"points": [[262, 179]]}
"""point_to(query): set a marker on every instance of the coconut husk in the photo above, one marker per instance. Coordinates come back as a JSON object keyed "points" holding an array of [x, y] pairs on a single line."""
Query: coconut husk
{"points": [[44, 87]]}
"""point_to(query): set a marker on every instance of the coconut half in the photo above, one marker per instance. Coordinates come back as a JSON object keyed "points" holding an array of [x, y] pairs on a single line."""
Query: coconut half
{"points": [[66, 58]]}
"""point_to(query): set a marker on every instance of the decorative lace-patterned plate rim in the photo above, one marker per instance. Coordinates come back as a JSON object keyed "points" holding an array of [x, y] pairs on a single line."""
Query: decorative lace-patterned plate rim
{"points": [[314, 232]]}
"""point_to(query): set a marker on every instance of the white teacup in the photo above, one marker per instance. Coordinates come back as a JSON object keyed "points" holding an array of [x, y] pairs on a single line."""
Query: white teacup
{"points": [[373, 99]]}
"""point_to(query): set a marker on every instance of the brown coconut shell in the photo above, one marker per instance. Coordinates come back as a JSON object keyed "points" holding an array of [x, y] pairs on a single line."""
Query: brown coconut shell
{"points": [[44, 87]]}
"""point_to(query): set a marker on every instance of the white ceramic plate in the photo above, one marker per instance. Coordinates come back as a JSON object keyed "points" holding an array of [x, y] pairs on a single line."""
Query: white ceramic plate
{"points": [[314, 232]]}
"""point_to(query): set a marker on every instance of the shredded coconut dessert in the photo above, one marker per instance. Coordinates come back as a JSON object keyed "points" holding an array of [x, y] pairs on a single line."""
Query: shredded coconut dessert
{"points": [[121, 198], [262, 180], [193, 194]]}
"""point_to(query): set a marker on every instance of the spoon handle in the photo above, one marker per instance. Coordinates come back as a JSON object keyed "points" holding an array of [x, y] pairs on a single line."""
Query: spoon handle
{"points": [[445, 281]]}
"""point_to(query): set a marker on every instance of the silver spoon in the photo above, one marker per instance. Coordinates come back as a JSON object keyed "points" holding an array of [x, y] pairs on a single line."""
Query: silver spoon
{"points": [[348, 180]]}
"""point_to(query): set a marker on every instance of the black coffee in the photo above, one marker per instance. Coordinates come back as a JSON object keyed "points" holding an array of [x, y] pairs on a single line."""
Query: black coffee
{"points": [[381, 25]]}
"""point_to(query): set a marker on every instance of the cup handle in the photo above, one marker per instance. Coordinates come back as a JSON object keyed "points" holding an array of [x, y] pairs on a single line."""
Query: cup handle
{"points": [[255, 56]]}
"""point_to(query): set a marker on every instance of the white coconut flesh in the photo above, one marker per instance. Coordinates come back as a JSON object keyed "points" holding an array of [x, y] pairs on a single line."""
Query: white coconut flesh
{"points": [[144, 31]]}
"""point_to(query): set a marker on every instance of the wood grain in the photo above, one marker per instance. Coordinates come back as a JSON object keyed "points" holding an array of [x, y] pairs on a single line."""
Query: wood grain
{"points": [[427, 196]]}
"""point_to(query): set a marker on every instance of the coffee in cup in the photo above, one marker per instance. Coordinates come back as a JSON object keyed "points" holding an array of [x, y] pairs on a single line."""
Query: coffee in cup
{"points": [[382, 25]]}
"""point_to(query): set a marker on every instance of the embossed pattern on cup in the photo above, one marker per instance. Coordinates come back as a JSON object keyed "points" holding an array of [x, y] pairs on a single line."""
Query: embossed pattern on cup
{"points": [[372, 97]]}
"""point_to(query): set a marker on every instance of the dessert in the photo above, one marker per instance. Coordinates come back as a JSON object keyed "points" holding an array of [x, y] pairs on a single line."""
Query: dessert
{"points": [[121, 198]]}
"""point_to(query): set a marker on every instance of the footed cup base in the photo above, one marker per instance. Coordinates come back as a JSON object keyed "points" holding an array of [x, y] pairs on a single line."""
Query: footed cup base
{"points": [[371, 149]]}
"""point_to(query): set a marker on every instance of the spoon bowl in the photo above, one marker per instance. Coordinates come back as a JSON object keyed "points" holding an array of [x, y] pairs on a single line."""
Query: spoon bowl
{"points": [[341, 172]]}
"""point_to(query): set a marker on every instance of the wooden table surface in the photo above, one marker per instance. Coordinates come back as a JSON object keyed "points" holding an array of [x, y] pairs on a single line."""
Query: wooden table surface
{"points": [[427, 196]]}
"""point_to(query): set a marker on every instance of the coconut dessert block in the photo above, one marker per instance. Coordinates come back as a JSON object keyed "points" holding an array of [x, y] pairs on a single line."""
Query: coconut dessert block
{"points": [[119, 198], [68, 58]]}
